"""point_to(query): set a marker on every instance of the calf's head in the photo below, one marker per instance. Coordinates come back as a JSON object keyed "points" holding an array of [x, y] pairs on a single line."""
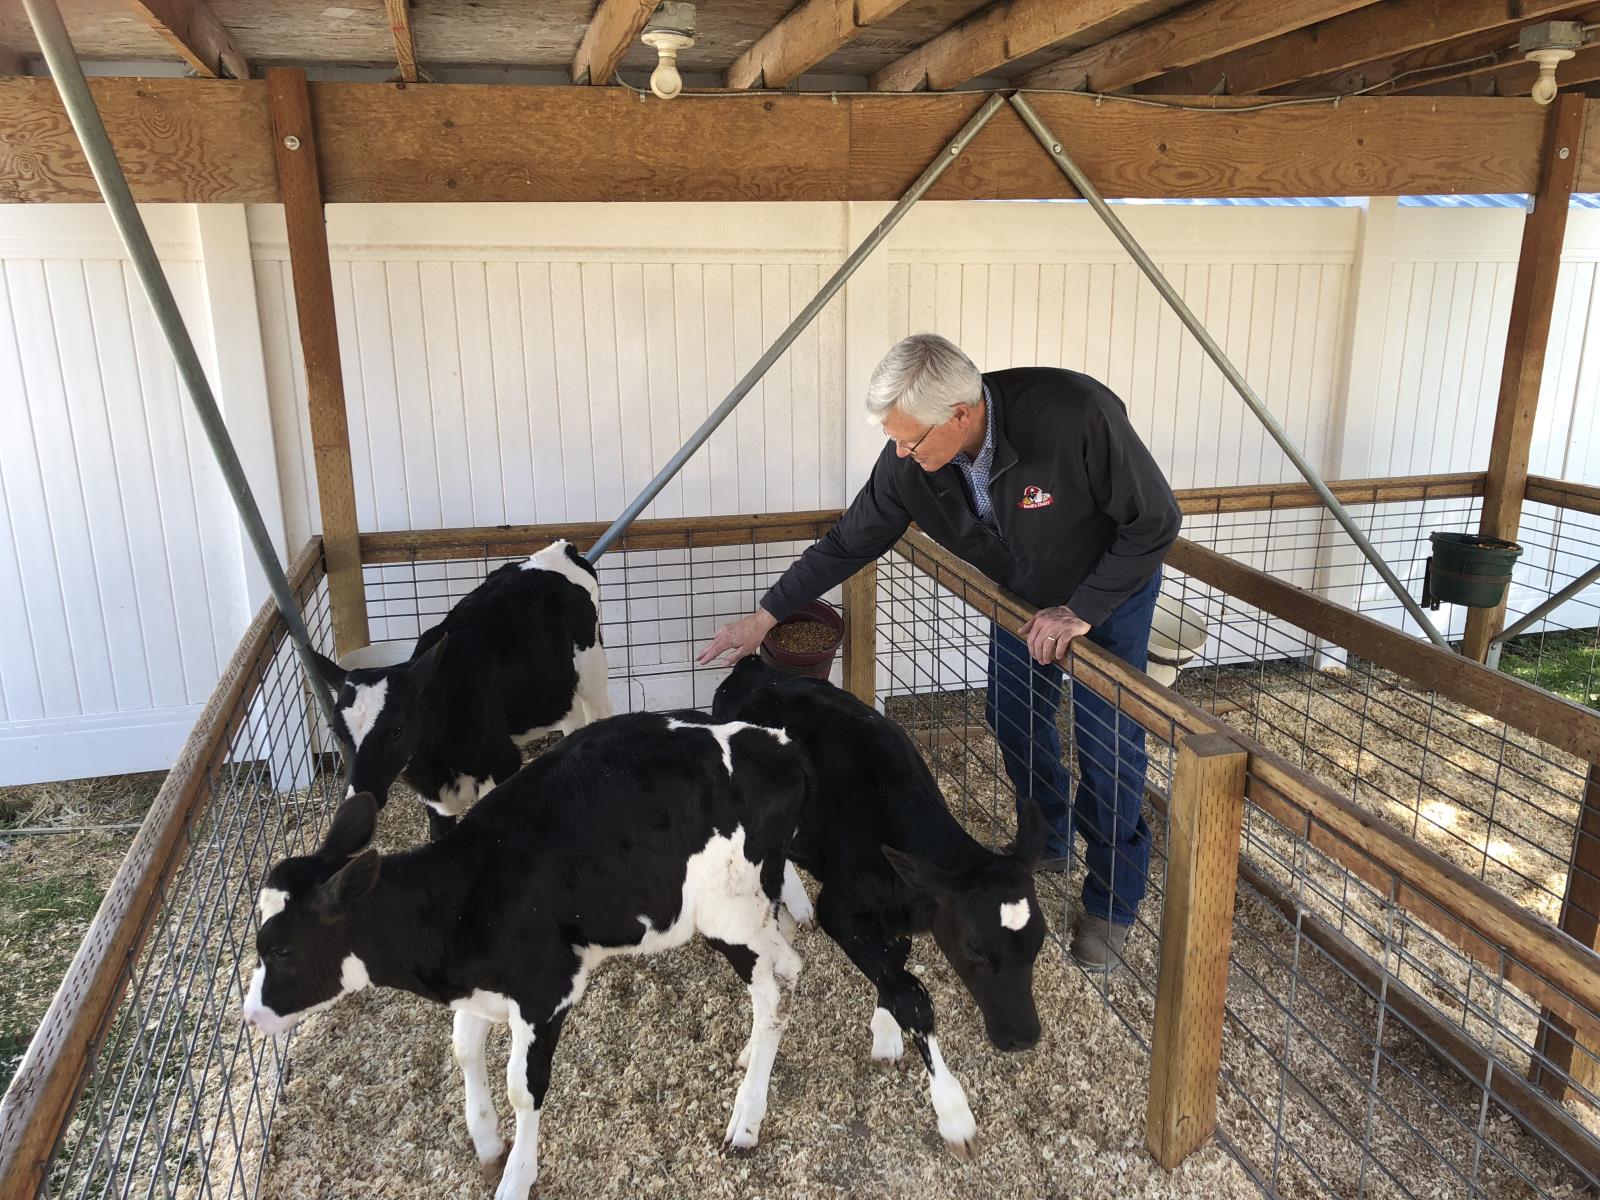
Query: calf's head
{"points": [[305, 936], [988, 923], [382, 714]]}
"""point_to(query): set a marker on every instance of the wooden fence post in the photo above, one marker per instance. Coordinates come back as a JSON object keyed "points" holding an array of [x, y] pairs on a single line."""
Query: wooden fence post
{"points": [[319, 342], [1203, 824], [1533, 301], [861, 634]]}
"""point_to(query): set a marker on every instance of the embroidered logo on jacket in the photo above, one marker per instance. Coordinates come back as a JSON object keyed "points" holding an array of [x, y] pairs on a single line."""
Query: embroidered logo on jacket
{"points": [[1034, 496]]}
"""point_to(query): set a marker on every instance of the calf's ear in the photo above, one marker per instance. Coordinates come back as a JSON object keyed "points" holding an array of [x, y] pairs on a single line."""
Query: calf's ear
{"points": [[332, 673], [919, 875], [351, 882], [352, 828], [422, 667]]}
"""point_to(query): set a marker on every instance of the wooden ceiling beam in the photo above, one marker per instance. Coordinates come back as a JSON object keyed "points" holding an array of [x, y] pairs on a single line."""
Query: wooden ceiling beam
{"points": [[806, 36], [192, 29], [1002, 33], [405, 46], [1188, 36], [12, 62], [1517, 78], [1491, 50], [199, 141], [615, 26], [1395, 27]]}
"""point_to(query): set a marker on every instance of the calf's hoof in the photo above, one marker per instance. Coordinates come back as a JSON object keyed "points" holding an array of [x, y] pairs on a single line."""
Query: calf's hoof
{"points": [[493, 1168], [741, 1144], [964, 1148]]}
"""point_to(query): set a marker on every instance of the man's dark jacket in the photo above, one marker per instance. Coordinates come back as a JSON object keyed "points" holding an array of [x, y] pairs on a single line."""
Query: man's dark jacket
{"points": [[1084, 514]]}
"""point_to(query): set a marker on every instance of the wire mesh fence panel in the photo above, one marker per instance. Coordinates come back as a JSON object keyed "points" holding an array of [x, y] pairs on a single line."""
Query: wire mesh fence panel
{"points": [[1383, 1035], [1559, 650], [1376, 1043], [1496, 800], [177, 1097]]}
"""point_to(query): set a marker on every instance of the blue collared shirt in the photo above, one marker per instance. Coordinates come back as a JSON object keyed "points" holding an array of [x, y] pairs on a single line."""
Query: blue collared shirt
{"points": [[976, 470]]}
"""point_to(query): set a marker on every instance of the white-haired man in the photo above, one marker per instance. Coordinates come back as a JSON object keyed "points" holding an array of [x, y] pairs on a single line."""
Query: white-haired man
{"points": [[1034, 476]]}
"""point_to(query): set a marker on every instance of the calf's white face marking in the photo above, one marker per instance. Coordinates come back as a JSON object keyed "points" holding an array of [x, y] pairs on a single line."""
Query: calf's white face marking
{"points": [[724, 735], [270, 903], [1015, 915], [362, 713], [352, 978]]}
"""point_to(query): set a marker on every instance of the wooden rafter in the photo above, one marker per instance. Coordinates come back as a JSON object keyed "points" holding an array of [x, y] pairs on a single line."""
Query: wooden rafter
{"points": [[1492, 49], [1516, 78], [12, 61], [806, 36], [1392, 28], [405, 46], [195, 33], [1188, 36], [612, 30], [999, 34]]}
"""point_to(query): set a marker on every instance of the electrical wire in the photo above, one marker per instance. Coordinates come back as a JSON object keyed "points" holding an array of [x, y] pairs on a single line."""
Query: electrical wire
{"points": [[1495, 56]]}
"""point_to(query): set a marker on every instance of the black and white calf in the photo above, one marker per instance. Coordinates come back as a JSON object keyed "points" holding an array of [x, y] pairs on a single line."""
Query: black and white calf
{"points": [[893, 862], [628, 838], [518, 657]]}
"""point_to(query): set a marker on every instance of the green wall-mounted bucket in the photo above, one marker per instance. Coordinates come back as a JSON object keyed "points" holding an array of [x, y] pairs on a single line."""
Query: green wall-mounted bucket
{"points": [[1468, 569]]}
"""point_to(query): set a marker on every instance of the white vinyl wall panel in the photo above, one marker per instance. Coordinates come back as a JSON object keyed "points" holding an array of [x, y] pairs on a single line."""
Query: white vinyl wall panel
{"points": [[120, 571]]}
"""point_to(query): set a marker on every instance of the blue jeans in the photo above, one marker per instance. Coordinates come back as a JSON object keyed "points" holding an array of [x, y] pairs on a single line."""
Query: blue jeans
{"points": [[1021, 703]]}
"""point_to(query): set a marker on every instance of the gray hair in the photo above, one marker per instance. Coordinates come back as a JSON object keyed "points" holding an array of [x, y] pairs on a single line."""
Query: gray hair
{"points": [[925, 376]]}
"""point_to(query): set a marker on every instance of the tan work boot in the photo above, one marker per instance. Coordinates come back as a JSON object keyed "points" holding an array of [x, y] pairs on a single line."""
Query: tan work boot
{"points": [[1097, 944]]}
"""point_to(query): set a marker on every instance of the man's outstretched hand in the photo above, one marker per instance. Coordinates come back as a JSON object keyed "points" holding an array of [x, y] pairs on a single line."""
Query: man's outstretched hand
{"points": [[739, 638]]}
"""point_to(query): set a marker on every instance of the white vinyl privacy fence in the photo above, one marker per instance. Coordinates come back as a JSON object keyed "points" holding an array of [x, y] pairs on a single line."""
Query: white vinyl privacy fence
{"points": [[519, 364]]}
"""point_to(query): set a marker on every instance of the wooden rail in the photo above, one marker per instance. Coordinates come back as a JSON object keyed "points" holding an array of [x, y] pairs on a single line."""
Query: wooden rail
{"points": [[668, 533], [1531, 954], [38, 1105], [1391, 489], [1534, 711], [1580, 497]]}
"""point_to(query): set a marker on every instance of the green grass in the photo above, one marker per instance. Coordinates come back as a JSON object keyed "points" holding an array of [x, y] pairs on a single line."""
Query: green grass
{"points": [[1567, 664], [41, 923]]}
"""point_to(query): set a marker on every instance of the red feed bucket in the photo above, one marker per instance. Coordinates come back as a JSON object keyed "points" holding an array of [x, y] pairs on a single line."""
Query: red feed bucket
{"points": [[806, 643]]}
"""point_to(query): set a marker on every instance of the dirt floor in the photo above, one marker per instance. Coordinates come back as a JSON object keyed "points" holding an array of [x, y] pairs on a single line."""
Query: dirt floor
{"points": [[51, 885]]}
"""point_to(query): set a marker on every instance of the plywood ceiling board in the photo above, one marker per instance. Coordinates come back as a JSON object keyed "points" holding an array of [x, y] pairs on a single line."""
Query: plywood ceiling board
{"points": [[100, 29]]}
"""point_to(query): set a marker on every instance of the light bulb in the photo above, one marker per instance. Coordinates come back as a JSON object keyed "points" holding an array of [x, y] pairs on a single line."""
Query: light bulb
{"points": [[669, 29], [665, 81], [1544, 88]]}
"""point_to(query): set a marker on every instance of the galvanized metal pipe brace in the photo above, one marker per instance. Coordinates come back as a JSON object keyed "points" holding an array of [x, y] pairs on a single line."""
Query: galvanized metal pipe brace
{"points": [[774, 352], [1554, 602], [1087, 190], [86, 123]]}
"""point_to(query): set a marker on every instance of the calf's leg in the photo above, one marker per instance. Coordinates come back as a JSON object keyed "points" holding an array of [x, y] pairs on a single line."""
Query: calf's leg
{"points": [[527, 1080], [769, 966], [906, 1004], [483, 1122]]}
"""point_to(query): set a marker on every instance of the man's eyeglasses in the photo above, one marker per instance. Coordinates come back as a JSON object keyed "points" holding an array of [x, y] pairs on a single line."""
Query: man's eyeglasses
{"points": [[912, 448]]}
